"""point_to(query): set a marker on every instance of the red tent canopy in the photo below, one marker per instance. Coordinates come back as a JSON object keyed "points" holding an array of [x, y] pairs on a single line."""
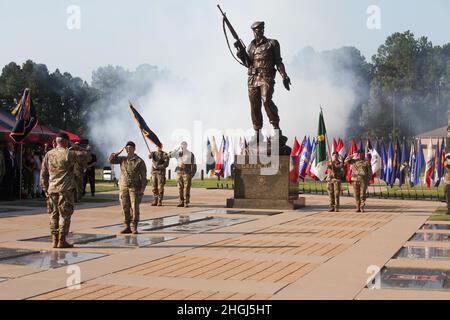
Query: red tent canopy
{"points": [[72, 136], [40, 133]]}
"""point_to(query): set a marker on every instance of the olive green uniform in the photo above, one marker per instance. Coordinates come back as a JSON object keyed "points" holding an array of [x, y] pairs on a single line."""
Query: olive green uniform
{"points": [[78, 171], [133, 178], [186, 169], [447, 181], [57, 180], [334, 178], [361, 175], [160, 161]]}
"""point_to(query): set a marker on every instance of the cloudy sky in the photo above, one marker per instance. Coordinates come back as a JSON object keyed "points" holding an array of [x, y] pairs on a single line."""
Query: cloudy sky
{"points": [[185, 36]]}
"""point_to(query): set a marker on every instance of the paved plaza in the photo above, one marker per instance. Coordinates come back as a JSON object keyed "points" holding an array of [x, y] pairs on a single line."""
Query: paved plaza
{"points": [[209, 252]]}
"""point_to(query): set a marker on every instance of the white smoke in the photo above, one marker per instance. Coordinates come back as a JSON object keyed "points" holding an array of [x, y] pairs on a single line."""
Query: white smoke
{"points": [[208, 94]]}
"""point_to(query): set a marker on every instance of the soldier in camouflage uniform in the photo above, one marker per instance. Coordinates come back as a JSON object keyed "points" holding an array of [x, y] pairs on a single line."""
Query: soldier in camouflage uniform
{"points": [[186, 169], [160, 161], [132, 183], [79, 169], [334, 178], [361, 175], [447, 169], [57, 180]]}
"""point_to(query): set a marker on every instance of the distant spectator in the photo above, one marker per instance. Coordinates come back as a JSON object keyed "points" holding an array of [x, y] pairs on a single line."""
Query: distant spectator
{"points": [[10, 180], [89, 175], [37, 190], [28, 168]]}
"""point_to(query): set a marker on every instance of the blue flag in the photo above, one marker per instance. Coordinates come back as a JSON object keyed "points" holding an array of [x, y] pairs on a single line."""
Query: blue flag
{"points": [[149, 134], [383, 156], [305, 157], [412, 163], [418, 164], [390, 166], [404, 163]]}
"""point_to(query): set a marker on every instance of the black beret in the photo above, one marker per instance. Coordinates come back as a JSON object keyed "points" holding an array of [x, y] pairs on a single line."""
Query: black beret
{"points": [[130, 143], [62, 135], [257, 24]]}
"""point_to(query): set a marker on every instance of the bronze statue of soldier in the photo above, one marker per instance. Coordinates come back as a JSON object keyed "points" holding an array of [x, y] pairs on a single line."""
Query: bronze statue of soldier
{"points": [[264, 59]]}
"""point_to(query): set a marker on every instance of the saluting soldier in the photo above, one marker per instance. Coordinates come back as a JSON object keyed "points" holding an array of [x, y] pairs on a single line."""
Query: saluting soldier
{"points": [[361, 175], [447, 169], [334, 178], [132, 183], [57, 180], [186, 169], [160, 161]]}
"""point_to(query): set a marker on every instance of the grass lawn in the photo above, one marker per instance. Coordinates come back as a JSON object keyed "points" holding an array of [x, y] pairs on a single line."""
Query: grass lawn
{"points": [[440, 215]]}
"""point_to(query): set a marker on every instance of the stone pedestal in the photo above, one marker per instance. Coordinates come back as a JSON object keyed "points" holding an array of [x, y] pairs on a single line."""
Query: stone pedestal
{"points": [[258, 185]]}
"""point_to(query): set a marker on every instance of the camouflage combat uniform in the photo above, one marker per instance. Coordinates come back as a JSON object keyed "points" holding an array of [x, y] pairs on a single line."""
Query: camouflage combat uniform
{"points": [[447, 181], [186, 169], [160, 161], [57, 180], [133, 178], [334, 178], [78, 171], [361, 175]]}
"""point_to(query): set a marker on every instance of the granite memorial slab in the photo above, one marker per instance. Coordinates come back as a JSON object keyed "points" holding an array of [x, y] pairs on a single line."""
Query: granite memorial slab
{"points": [[52, 259], [433, 253], [424, 236], [206, 225], [252, 212], [127, 241], [7, 253], [412, 278], [76, 238], [163, 222], [435, 226]]}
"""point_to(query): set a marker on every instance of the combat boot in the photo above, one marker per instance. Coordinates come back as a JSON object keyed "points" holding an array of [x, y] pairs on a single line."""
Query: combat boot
{"points": [[181, 204], [336, 209], [62, 243], [358, 209], [159, 203], [331, 209], [55, 241], [186, 204], [155, 201], [127, 229], [362, 209], [134, 228]]}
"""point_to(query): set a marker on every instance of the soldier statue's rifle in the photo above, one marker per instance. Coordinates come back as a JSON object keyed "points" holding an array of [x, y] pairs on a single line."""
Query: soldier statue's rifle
{"points": [[239, 44]]}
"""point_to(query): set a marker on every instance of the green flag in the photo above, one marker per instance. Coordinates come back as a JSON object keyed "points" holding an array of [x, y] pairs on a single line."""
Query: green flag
{"points": [[319, 166]]}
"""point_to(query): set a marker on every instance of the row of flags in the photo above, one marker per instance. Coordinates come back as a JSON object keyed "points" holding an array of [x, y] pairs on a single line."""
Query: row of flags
{"points": [[220, 156], [391, 162], [400, 162]]}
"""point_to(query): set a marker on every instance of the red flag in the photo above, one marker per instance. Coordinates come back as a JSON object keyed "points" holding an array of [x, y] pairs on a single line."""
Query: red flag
{"points": [[218, 170], [348, 168], [334, 146], [295, 159]]}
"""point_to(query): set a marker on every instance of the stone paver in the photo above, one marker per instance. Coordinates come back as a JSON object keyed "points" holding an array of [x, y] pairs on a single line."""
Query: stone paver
{"points": [[305, 254]]}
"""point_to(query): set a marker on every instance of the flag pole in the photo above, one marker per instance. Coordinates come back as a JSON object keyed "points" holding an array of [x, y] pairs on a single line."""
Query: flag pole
{"points": [[148, 148], [20, 171]]}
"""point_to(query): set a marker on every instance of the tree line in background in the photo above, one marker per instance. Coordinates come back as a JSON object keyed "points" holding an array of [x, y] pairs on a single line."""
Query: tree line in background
{"points": [[403, 91]]}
